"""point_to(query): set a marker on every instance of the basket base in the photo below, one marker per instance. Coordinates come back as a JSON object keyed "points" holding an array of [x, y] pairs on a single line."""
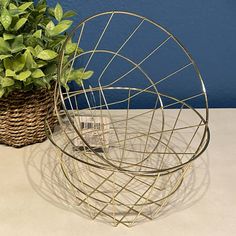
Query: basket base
{"points": [[24, 143]]}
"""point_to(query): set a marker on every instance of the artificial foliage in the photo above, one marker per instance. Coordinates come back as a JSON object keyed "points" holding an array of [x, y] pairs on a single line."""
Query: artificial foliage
{"points": [[31, 36]]}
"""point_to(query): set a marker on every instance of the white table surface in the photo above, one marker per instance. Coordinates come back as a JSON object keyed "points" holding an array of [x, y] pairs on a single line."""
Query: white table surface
{"points": [[28, 206]]}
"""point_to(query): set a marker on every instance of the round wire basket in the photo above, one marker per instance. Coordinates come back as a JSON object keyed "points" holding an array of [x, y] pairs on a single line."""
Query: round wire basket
{"points": [[128, 135]]}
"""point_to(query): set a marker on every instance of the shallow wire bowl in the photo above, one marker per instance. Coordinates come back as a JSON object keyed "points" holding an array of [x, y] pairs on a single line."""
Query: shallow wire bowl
{"points": [[128, 135]]}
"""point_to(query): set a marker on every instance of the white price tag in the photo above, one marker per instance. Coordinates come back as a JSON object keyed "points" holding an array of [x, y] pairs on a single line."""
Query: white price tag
{"points": [[95, 131]]}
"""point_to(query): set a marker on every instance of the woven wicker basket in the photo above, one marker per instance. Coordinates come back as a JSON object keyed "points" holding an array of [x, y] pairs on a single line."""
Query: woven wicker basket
{"points": [[22, 116]]}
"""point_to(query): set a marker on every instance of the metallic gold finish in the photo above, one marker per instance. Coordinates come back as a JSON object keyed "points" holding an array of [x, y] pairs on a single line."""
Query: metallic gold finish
{"points": [[150, 150]]}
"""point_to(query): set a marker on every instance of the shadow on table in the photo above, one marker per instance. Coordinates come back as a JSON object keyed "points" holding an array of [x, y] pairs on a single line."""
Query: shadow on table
{"points": [[193, 188], [46, 178]]}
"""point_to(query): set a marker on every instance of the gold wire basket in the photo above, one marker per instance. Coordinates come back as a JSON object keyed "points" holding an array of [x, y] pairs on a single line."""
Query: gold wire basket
{"points": [[125, 164]]}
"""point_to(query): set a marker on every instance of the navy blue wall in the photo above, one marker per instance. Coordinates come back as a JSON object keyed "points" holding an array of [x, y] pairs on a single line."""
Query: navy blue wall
{"points": [[206, 27]]}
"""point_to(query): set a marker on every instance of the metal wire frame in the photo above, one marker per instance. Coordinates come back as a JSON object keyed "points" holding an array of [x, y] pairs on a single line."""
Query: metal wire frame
{"points": [[111, 170], [106, 164], [131, 213], [144, 19]]}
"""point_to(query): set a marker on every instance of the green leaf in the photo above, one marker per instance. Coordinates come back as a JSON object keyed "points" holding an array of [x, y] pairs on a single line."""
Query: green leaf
{"points": [[2, 91], [70, 48], [26, 5], [4, 46], [41, 3], [16, 12], [41, 64], [51, 69], [38, 49], [64, 82], [19, 48], [57, 41], [69, 14], [50, 26], [12, 6], [20, 23], [17, 44], [32, 50], [28, 81], [79, 75], [85, 74], [7, 63], [47, 55], [39, 18], [10, 73], [58, 12], [38, 74], [6, 82], [41, 83], [29, 60], [79, 51], [5, 18], [4, 3], [8, 36], [31, 41], [18, 40], [18, 64], [4, 56], [66, 22], [38, 34], [23, 75], [42, 9], [51, 12], [58, 29]]}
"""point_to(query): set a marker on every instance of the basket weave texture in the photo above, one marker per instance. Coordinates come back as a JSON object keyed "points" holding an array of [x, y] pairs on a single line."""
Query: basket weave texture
{"points": [[22, 116]]}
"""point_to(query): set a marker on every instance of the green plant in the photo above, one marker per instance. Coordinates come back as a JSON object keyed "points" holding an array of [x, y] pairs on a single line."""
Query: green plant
{"points": [[31, 35]]}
